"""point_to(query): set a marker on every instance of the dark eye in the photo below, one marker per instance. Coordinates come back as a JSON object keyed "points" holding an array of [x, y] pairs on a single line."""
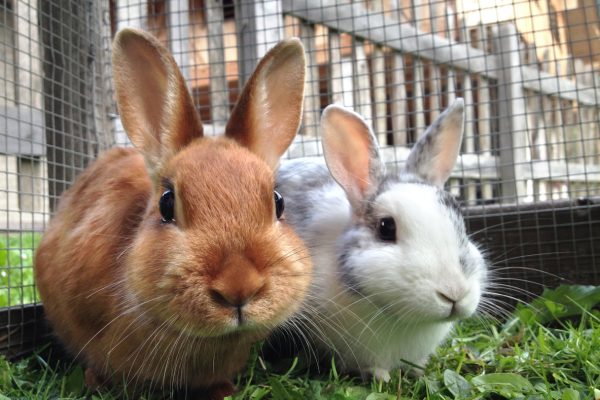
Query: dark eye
{"points": [[166, 205], [387, 229], [279, 204]]}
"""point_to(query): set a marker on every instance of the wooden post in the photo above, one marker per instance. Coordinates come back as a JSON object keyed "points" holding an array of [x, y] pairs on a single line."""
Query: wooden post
{"points": [[451, 78], [335, 87], [379, 89], [469, 185], [418, 94], [379, 94], [312, 106], [362, 81], [71, 96], [436, 18], [511, 106], [28, 52], [398, 107], [132, 13], [538, 139], [178, 13], [31, 170], [467, 89], [259, 26], [484, 114], [219, 93], [453, 183], [103, 102], [341, 72]]}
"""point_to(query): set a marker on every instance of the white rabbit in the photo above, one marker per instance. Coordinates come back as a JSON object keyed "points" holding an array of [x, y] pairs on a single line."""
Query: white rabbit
{"points": [[393, 265]]}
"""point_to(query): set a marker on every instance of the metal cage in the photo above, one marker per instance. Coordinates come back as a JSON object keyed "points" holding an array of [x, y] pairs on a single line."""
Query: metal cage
{"points": [[529, 172]]}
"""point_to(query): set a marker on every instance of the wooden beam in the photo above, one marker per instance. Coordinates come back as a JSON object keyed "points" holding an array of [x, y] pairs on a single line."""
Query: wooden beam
{"points": [[219, 93], [259, 26], [403, 37], [312, 104], [398, 106], [132, 13], [511, 115], [70, 91], [560, 171], [361, 85], [179, 34], [471, 166]]}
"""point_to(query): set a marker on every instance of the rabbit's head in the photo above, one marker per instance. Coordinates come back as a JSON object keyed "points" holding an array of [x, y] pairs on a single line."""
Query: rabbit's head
{"points": [[407, 250], [211, 255]]}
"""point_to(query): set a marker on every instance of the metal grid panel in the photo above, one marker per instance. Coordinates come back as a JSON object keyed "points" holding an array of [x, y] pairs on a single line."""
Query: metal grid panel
{"points": [[529, 171], [55, 107]]}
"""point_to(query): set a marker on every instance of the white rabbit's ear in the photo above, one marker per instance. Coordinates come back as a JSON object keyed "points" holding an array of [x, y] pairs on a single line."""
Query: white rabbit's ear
{"points": [[351, 153], [268, 112], [434, 155], [156, 108]]}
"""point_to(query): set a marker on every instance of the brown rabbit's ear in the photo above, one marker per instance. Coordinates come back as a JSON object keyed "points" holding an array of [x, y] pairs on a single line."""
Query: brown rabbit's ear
{"points": [[267, 114], [156, 108]]}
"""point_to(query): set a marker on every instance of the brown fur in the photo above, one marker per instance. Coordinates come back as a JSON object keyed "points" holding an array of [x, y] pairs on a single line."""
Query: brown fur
{"points": [[150, 302]]}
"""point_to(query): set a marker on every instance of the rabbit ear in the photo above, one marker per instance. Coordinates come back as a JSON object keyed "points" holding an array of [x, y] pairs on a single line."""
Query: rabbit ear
{"points": [[155, 105], [351, 153], [267, 114], [434, 155]]}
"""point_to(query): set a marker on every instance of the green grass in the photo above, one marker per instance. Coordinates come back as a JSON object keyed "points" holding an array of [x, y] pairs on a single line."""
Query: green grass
{"points": [[16, 268], [548, 350]]}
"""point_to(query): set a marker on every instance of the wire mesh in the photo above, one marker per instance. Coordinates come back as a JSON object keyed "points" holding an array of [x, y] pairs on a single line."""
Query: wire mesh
{"points": [[55, 107], [529, 171]]}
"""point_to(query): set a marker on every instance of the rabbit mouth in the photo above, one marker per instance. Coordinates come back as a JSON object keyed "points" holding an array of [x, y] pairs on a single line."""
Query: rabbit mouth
{"points": [[233, 328]]}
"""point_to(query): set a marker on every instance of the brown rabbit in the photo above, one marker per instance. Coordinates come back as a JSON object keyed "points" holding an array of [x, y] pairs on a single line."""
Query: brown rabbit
{"points": [[164, 263]]}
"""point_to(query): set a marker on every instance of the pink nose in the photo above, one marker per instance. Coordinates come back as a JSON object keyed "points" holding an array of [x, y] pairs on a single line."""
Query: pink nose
{"points": [[237, 283]]}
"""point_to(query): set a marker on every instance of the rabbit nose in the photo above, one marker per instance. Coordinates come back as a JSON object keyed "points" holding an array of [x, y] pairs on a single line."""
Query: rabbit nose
{"points": [[453, 296], [233, 298], [446, 297], [237, 283]]}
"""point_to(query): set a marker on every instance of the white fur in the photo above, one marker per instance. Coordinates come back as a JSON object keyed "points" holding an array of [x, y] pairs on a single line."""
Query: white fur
{"points": [[404, 277]]}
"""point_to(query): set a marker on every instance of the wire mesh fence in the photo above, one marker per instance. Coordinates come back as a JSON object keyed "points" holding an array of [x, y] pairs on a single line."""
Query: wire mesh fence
{"points": [[55, 113], [529, 171]]}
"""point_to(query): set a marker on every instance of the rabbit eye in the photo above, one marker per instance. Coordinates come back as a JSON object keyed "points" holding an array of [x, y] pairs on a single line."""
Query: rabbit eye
{"points": [[166, 205], [387, 229], [279, 204]]}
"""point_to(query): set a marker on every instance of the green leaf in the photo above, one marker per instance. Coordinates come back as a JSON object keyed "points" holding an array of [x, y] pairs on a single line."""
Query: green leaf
{"points": [[562, 302], [506, 384], [75, 381], [456, 384], [433, 386], [278, 390], [259, 393], [337, 396], [380, 396], [570, 394], [356, 392]]}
